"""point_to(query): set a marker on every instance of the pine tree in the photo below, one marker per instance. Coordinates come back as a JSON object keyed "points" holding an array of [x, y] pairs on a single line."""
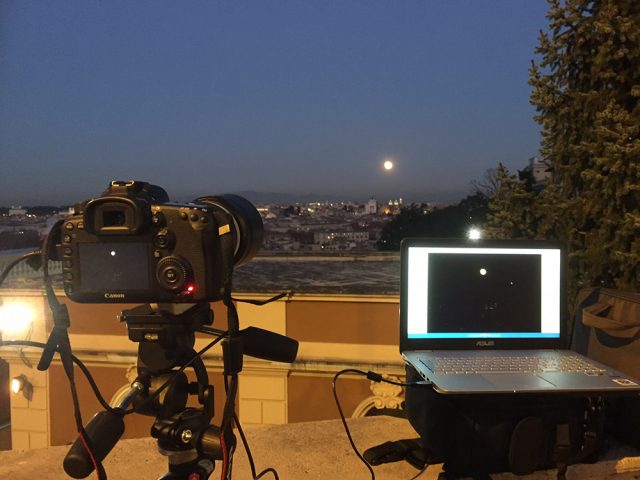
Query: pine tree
{"points": [[511, 213], [585, 89]]}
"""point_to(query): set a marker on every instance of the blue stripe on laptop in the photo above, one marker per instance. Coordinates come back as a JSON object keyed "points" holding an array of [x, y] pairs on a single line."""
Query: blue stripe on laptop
{"points": [[486, 335]]}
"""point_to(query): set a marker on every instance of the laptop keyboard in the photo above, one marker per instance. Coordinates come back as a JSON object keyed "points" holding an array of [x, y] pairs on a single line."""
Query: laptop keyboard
{"points": [[507, 364]]}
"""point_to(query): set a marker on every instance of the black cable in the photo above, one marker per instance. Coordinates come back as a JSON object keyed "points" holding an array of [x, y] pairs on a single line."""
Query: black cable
{"points": [[260, 303], [252, 465], [376, 377], [419, 474], [13, 263], [344, 421], [76, 360], [228, 449], [268, 470], [211, 331]]}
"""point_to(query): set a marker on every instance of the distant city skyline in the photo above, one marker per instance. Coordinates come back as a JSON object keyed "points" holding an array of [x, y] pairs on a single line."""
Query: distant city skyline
{"points": [[282, 97], [261, 198]]}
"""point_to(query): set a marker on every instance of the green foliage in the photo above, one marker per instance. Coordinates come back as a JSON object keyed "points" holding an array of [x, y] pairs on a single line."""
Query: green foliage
{"points": [[585, 89], [510, 208], [448, 222]]}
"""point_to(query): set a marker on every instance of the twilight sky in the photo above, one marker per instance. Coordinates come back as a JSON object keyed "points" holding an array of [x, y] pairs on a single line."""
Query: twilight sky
{"points": [[210, 97]]}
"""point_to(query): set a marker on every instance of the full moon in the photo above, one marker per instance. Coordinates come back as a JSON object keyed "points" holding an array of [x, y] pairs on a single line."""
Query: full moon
{"points": [[388, 165]]}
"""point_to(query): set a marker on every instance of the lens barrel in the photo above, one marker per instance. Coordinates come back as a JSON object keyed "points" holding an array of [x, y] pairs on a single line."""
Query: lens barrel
{"points": [[247, 228]]}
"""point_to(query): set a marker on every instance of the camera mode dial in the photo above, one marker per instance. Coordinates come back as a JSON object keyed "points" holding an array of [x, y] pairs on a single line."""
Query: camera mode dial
{"points": [[173, 273]]}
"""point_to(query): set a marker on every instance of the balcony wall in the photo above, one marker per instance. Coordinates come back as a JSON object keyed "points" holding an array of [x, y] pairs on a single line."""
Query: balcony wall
{"points": [[334, 331]]}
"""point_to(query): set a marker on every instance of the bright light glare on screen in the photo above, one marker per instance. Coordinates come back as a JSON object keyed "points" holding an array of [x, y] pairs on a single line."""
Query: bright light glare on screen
{"points": [[474, 233], [16, 318]]}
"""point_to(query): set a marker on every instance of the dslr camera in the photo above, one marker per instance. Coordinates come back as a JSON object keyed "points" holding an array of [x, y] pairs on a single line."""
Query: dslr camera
{"points": [[133, 245]]}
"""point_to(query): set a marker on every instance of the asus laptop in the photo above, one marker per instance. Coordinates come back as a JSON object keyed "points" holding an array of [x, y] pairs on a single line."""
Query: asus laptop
{"points": [[489, 317]]}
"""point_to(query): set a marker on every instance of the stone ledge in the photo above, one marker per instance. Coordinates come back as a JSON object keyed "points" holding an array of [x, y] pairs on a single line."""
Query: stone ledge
{"points": [[313, 450]]}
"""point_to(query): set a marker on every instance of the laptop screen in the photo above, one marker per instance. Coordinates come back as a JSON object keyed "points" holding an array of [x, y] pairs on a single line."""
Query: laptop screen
{"points": [[500, 291]]}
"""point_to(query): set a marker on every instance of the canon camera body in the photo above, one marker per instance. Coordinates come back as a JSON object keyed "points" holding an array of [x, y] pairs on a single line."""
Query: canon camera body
{"points": [[133, 245]]}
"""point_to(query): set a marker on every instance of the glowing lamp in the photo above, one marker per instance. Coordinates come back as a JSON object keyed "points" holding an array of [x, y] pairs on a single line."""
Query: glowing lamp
{"points": [[16, 318], [21, 384]]}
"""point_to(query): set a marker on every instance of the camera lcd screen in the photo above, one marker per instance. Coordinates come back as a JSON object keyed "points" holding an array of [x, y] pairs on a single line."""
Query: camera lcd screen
{"points": [[114, 266]]}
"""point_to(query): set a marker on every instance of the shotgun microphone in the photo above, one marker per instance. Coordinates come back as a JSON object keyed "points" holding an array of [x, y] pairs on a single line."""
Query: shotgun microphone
{"points": [[260, 343]]}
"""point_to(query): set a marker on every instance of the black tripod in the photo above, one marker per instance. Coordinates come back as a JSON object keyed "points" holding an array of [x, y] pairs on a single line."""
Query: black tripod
{"points": [[166, 336]]}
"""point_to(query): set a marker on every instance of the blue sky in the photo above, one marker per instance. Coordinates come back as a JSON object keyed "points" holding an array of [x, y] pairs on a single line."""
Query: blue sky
{"points": [[273, 96]]}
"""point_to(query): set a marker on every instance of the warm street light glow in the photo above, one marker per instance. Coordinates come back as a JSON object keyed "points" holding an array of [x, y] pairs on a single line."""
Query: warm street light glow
{"points": [[22, 384], [16, 385], [16, 318], [388, 165]]}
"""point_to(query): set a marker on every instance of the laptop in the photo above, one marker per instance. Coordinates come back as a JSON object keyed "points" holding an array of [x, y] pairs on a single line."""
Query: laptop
{"points": [[488, 316]]}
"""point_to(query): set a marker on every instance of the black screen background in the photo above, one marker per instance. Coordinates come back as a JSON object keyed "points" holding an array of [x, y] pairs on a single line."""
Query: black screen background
{"points": [[505, 299], [101, 271]]}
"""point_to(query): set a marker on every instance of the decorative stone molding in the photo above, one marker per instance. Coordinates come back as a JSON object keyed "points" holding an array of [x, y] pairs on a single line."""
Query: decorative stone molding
{"points": [[385, 396]]}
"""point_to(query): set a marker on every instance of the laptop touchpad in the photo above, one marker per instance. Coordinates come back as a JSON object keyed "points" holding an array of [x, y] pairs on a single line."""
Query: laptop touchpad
{"points": [[516, 383]]}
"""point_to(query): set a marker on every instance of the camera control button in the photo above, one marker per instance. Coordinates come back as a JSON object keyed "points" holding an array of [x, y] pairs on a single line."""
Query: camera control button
{"points": [[66, 239], [80, 225], [171, 275], [164, 239], [194, 217], [68, 252], [204, 219], [183, 215], [157, 219], [68, 276], [68, 226]]}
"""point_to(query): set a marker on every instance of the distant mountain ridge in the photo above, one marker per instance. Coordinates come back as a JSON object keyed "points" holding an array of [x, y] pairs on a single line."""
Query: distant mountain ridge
{"points": [[287, 198]]}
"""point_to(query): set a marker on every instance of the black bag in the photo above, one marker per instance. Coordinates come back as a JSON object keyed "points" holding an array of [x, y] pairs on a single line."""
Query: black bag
{"points": [[475, 435], [607, 328]]}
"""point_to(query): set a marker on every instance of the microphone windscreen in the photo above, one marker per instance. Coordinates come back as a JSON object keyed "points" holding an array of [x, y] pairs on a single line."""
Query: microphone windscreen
{"points": [[260, 343]]}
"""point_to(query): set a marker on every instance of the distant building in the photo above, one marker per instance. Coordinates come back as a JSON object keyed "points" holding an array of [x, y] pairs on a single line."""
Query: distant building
{"points": [[371, 207], [17, 212], [537, 172], [327, 237]]}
